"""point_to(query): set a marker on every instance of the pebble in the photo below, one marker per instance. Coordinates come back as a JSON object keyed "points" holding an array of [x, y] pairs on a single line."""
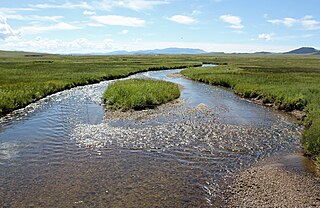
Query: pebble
{"points": [[199, 137]]}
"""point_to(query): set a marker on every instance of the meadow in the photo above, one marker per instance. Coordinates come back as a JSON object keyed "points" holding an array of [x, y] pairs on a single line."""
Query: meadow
{"points": [[25, 78], [140, 94], [288, 82]]}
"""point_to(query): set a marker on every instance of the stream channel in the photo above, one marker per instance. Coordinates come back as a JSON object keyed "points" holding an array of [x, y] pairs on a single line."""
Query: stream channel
{"points": [[66, 151]]}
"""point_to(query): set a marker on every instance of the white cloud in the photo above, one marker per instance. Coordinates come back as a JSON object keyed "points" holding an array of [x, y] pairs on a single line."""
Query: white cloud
{"points": [[86, 12], [266, 37], [235, 21], [119, 20], [82, 45], [6, 30], [13, 13], [124, 32], [6, 11], [33, 17], [272, 37], [289, 22], [307, 22], [108, 40], [181, 19], [67, 5], [136, 5], [35, 29], [43, 18], [14, 9]]}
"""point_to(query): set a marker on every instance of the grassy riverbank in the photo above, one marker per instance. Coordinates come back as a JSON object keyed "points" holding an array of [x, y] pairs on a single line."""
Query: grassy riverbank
{"points": [[26, 77], [140, 94], [290, 83]]}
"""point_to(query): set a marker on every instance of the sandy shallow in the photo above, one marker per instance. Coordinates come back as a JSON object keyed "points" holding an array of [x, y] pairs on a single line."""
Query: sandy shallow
{"points": [[276, 182], [290, 180]]}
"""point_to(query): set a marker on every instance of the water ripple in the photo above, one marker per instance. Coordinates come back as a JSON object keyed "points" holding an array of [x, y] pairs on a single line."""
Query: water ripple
{"points": [[63, 151]]}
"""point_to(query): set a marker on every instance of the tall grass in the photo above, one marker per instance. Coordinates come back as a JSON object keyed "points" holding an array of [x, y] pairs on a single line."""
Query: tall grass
{"points": [[295, 86], [140, 94]]}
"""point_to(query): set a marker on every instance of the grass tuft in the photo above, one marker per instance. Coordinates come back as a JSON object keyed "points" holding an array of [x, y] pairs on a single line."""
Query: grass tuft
{"points": [[140, 94]]}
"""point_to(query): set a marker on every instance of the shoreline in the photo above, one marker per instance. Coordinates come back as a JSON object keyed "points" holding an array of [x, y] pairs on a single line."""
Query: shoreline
{"points": [[297, 115], [89, 82], [280, 181]]}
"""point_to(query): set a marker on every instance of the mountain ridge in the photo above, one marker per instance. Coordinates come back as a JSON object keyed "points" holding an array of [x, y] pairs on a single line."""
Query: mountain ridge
{"points": [[304, 50], [169, 51]]}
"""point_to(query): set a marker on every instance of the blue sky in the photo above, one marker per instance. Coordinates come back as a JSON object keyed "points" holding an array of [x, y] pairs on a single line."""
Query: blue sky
{"points": [[74, 26]]}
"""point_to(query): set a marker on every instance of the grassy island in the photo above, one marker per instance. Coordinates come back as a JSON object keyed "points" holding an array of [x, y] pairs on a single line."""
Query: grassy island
{"points": [[140, 94]]}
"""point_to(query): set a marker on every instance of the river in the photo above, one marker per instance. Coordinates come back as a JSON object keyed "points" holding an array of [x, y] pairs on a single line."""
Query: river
{"points": [[66, 151]]}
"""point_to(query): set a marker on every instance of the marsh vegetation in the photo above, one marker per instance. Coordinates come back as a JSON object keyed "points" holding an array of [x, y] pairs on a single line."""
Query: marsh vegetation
{"points": [[288, 82], [175, 148], [139, 94], [25, 79]]}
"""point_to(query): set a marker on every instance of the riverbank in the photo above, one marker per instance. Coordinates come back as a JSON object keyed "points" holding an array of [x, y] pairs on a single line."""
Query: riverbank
{"points": [[24, 79], [276, 182], [288, 89]]}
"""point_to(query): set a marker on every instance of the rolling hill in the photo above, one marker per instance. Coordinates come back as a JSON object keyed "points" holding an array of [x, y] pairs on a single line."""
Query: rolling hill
{"points": [[304, 50]]}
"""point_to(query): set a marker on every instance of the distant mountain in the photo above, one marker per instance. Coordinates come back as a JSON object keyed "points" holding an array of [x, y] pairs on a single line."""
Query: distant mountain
{"points": [[172, 51], [317, 53], [215, 53], [22, 54], [118, 53], [263, 52], [304, 50], [169, 51]]}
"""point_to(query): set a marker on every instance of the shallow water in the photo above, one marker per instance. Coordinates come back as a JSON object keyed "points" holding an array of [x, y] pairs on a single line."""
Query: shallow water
{"points": [[63, 151]]}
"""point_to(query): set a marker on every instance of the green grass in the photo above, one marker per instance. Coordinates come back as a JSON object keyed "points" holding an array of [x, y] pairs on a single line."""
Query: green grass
{"points": [[291, 83], [140, 94], [25, 79]]}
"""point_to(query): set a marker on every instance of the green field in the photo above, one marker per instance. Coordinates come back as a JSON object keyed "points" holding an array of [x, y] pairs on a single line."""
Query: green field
{"points": [[140, 94], [25, 78], [289, 81]]}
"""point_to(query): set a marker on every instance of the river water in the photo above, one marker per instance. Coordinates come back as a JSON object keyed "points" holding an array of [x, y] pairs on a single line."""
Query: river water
{"points": [[65, 151]]}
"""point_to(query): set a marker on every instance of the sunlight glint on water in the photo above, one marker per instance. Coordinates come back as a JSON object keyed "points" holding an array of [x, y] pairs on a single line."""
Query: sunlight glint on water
{"points": [[62, 152]]}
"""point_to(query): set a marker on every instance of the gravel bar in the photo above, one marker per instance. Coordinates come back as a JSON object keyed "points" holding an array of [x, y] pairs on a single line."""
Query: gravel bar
{"points": [[276, 182]]}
